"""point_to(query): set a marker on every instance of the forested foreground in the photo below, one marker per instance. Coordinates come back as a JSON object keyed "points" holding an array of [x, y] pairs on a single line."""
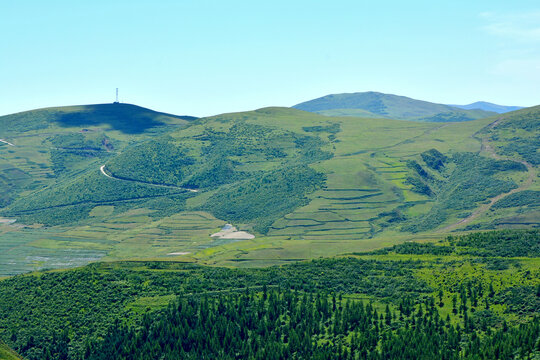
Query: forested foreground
{"points": [[470, 297], [291, 325]]}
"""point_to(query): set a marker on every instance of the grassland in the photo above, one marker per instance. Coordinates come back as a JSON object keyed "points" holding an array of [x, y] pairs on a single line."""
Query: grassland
{"points": [[52, 144], [362, 192], [7, 354]]}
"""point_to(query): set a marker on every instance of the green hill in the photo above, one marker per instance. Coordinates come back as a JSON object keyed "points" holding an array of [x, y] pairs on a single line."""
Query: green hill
{"points": [[516, 136], [126, 118], [306, 185], [379, 105], [42, 147]]}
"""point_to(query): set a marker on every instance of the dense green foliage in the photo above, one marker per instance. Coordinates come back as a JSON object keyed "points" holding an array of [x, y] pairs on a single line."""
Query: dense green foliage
{"points": [[530, 198], [522, 300], [55, 215], [526, 119], [81, 141], [505, 243], [258, 197], [456, 115], [90, 188], [68, 150], [501, 243], [157, 162], [224, 153], [71, 312], [527, 148], [434, 159], [305, 185], [70, 202], [332, 129], [85, 301], [290, 325], [265, 198], [55, 146], [66, 159], [417, 249]]}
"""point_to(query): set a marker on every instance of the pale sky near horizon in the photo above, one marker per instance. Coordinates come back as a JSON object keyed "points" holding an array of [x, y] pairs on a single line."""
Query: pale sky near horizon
{"points": [[207, 57]]}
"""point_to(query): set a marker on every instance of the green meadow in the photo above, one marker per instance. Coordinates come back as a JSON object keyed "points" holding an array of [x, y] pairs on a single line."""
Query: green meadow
{"points": [[305, 185]]}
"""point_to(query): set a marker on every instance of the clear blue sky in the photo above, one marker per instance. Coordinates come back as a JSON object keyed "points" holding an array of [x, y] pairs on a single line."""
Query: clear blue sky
{"points": [[207, 57]]}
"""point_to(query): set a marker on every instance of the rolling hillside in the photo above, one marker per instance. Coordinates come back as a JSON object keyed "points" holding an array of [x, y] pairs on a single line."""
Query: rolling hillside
{"points": [[379, 105], [516, 136], [306, 185], [41, 147]]}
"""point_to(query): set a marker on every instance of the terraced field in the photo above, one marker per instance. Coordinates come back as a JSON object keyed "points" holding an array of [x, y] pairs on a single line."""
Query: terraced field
{"points": [[128, 235], [306, 185]]}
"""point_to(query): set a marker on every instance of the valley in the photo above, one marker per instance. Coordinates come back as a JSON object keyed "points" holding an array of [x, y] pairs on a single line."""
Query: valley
{"points": [[477, 292], [365, 184], [285, 180], [108, 231]]}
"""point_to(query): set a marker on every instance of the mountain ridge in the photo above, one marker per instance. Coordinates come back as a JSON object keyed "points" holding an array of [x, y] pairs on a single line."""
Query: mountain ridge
{"points": [[487, 106], [381, 105]]}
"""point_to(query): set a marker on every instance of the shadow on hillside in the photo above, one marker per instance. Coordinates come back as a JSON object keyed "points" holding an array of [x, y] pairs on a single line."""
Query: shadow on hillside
{"points": [[126, 118]]}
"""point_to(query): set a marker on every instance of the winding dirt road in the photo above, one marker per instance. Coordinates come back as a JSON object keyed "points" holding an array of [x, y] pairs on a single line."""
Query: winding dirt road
{"points": [[485, 207], [6, 142], [102, 170]]}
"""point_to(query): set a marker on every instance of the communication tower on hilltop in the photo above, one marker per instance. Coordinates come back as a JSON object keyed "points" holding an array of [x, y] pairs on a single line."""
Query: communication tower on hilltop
{"points": [[117, 102]]}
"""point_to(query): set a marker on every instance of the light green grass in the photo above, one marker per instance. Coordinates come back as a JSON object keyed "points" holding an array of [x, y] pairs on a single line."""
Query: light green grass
{"points": [[366, 180], [7, 354]]}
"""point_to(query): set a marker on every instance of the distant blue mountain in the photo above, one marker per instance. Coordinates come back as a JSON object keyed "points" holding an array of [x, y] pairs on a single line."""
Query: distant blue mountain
{"points": [[486, 106], [378, 105]]}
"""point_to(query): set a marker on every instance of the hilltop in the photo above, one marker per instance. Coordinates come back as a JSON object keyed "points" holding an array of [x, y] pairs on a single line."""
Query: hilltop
{"points": [[41, 147], [379, 105], [125, 118]]}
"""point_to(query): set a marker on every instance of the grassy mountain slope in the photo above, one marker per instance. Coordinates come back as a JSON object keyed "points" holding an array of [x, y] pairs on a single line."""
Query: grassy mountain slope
{"points": [[306, 185], [45, 145], [516, 136], [377, 105], [211, 155], [487, 106]]}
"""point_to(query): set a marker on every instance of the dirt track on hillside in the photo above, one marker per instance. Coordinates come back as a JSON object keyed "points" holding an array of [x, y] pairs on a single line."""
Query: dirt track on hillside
{"points": [[102, 170], [6, 142], [486, 147]]}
